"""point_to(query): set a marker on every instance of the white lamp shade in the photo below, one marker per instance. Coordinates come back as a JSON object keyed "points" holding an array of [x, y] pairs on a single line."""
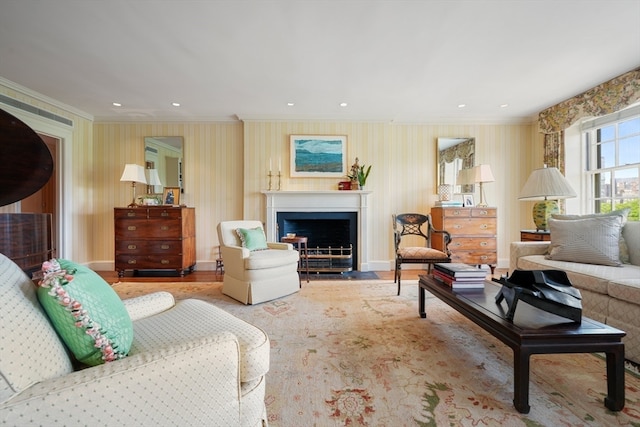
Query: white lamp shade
{"points": [[546, 183], [133, 173], [152, 177], [464, 177], [482, 173]]}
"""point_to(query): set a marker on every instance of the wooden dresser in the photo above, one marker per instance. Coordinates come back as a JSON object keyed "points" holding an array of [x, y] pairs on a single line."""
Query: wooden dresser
{"points": [[155, 238], [473, 234], [25, 238]]}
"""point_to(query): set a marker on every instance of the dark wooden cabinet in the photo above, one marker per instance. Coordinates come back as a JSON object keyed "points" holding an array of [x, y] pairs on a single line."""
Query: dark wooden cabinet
{"points": [[25, 238], [535, 236], [473, 234], [155, 238]]}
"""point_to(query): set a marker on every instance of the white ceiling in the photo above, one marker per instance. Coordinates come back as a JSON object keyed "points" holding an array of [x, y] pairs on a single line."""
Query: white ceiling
{"points": [[403, 61]]}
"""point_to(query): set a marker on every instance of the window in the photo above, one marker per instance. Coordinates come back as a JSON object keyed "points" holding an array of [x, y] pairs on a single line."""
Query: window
{"points": [[613, 162]]}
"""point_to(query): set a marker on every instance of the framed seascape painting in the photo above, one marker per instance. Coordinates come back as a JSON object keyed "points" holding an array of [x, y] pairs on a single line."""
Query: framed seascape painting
{"points": [[320, 156]]}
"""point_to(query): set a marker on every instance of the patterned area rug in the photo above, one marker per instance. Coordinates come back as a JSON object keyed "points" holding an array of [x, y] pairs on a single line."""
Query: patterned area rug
{"points": [[355, 354]]}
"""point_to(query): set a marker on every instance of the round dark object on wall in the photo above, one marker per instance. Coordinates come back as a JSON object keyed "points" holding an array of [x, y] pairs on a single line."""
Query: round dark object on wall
{"points": [[26, 161]]}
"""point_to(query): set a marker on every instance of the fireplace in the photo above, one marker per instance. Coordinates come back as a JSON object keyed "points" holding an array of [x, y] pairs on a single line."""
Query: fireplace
{"points": [[332, 238], [329, 205]]}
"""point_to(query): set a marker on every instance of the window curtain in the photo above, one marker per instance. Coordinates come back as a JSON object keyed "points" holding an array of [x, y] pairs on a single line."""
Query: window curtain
{"points": [[607, 98]]}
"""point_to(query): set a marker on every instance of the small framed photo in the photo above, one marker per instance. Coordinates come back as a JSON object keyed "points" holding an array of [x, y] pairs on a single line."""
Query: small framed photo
{"points": [[171, 196], [467, 200]]}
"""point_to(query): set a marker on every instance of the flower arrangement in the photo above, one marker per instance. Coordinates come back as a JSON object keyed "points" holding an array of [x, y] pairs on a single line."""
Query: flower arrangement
{"points": [[359, 174]]}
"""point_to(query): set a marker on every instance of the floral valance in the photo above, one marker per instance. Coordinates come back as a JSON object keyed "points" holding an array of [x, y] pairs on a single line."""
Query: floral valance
{"points": [[603, 99]]}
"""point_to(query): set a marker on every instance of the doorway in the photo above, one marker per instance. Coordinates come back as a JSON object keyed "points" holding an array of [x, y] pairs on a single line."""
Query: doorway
{"points": [[45, 199]]}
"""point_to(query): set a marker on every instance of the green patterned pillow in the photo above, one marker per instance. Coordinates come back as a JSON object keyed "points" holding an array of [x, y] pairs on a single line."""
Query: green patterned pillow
{"points": [[252, 238], [85, 311]]}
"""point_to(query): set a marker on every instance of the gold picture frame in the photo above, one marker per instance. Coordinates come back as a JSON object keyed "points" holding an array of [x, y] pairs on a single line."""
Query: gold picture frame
{"points": [[171, 196]]}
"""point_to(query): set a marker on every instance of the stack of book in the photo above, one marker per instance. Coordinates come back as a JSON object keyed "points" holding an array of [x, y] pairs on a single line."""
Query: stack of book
{"points": [[459, 276], [449, 203]]}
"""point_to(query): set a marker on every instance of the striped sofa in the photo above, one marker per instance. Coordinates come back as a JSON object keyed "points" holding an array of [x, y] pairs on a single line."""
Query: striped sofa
{"points": [[610, 294]]}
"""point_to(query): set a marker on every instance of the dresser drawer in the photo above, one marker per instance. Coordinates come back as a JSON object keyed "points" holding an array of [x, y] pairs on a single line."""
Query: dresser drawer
{"points": [[474, 257], [484, 212], [148, 262], [455, 212], [471, 226], [137, 247], [164, 213], [471, 243], [142, 229]]}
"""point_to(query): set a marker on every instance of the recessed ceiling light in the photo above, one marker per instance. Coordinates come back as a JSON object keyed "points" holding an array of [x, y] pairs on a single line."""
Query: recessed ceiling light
{"points": [[462, 105], [343, 104], [504, 105], [290, 104], [117, 104], [175, 104]]}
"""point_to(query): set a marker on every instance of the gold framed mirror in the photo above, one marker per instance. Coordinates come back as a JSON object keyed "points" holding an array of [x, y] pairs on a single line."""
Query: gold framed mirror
{"points": [[165, 155], [453, 155]]}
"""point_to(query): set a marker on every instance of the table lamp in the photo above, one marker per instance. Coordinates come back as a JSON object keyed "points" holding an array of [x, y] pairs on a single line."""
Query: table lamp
{"points": [[133, 173], [153, 179], [482, 174], [543, 184]]}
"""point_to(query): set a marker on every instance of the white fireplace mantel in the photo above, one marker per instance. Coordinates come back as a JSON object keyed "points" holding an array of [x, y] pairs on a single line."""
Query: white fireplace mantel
{"points": [[322, 201]]}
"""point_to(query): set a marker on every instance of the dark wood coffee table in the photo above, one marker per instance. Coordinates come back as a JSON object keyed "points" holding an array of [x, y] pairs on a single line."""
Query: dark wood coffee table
{"points": [[534, 331]]}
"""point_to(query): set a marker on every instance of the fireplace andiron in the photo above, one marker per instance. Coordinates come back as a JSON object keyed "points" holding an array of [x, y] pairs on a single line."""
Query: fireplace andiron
{"points": [[548, 290]]}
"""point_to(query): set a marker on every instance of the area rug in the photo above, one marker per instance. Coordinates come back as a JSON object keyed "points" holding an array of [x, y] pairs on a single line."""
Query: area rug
{"points": [[355, 354]]}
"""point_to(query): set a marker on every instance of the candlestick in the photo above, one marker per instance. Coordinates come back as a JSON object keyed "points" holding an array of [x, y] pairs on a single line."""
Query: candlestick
{"points": [[270, 175], [270, 168], [279, 165], [279, 181]]}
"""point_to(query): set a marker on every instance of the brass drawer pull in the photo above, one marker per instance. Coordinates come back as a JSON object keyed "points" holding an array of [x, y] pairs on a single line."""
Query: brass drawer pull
{"points": [[484, 243], [456, 212], [457, 226], [164, 261], [131, 214], [484, 213], [132, 247], [131, 228], [131, 261], [164, 213], [164, 228], [484, 226], [483, 257], [165, 246]]}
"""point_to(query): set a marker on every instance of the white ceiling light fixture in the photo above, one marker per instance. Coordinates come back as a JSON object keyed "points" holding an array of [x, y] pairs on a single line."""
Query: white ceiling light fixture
{"points": [[462, 105], [175, 104], [116, 104], [504, 105], [343, 104], [290, 104]]}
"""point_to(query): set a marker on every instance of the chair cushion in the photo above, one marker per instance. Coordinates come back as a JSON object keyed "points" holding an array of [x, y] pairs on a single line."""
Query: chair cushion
{"points": [[85, 311], [417, 252], [271, 258], [252, 238]]}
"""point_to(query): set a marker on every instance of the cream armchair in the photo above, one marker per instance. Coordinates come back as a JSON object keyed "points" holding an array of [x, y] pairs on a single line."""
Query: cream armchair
{"points": [[252, 277], [190, 363]]}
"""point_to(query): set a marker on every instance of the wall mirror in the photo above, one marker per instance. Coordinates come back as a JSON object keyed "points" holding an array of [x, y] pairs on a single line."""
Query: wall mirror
{"points": [[165, 154], [455, 154]]}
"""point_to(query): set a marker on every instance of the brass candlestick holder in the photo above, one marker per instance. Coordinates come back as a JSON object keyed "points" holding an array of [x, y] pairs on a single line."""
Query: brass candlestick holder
{"points": [[270, 175], [279, 180]]}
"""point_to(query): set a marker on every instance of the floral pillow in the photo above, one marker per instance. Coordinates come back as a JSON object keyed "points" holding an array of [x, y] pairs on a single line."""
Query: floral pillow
{"points": [[85, 311]]}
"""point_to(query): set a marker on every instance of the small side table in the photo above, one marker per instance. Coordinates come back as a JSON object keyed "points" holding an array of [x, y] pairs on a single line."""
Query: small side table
{"points": [[535, 236], [300, 244]]}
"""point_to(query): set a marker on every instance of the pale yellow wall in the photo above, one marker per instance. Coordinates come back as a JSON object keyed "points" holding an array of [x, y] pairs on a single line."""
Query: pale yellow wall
{"points": [[225, 166], [403, 175]]}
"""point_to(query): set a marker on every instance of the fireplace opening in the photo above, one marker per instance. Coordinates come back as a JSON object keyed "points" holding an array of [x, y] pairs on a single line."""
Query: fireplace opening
{"points": [[332, 238]]}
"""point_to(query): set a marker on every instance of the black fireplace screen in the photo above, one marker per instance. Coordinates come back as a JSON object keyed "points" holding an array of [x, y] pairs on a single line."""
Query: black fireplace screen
{"points": [[324, 230]]}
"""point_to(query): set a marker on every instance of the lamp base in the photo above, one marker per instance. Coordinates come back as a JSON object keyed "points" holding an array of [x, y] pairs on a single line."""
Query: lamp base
{"points": [[542, 211]]}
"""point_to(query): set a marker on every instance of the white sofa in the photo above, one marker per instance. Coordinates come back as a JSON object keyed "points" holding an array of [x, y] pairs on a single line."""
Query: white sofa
{"points": [[609, 294], [255, 276], [190, 363]]}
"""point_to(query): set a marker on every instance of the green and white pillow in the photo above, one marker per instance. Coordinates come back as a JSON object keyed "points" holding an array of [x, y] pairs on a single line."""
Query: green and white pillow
{"points": [[252, 238], [85, 311]]}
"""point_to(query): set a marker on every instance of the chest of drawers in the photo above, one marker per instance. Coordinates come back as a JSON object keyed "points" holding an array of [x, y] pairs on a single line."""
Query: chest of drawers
{"points": [[155, 238], [473, 234]]}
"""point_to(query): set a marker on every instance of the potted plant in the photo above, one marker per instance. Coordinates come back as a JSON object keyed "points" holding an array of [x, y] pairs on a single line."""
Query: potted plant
{"points": [[363, 174], [358, 175]]}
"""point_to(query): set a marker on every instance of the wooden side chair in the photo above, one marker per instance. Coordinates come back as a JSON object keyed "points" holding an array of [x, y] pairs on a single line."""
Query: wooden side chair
{"points": [[409, 225]]}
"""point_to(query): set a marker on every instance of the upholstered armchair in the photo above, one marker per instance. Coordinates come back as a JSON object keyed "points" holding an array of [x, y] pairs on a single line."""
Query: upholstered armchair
{"points": [[190, 363], [256, 270]]}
